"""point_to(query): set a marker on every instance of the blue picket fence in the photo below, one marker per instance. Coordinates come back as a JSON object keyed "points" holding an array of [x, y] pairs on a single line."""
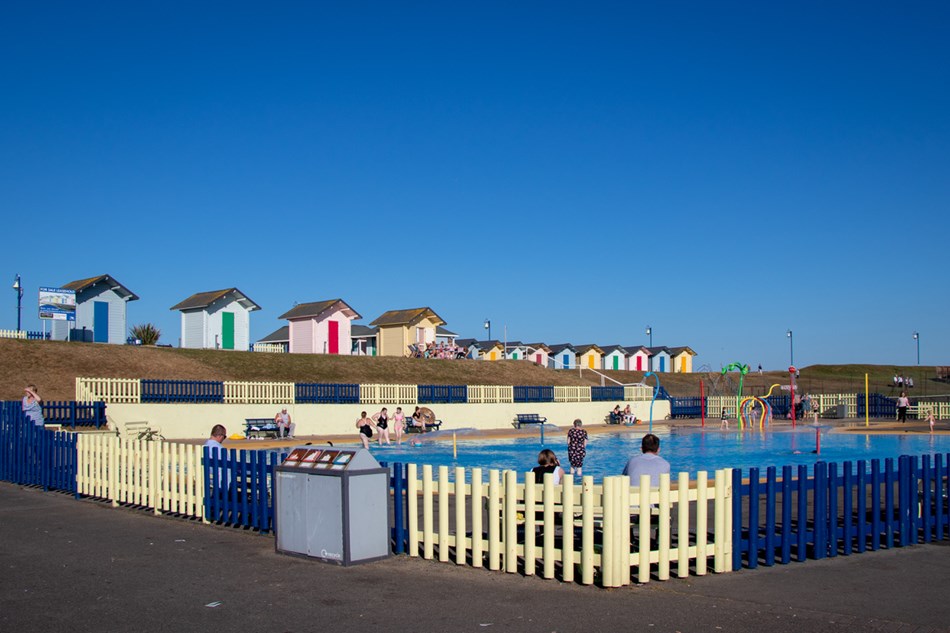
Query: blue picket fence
{"points": [[878, 406], [190, 391], [533, 394], [838, 511], [37, 336], [686, 407], [606, 394], [31, 455], [319, 393], [73, 414], [442, 394], [239, 487]]}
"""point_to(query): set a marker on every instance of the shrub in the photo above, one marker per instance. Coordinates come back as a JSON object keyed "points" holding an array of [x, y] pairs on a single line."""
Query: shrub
{"points": [[146, 332]]}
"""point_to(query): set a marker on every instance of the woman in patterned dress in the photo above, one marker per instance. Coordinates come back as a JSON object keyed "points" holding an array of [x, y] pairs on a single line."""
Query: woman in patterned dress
{"points": [[577, 447]]}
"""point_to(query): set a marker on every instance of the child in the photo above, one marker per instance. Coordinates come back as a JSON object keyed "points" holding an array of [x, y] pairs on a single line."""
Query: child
{"points": [[931, 420], [724, 420]]}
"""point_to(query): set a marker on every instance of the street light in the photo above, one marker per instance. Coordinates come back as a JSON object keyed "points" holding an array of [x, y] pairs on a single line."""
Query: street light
{"points": [[791, 348], [488, 327], [19, 299], [917, 338], [650, 334]]}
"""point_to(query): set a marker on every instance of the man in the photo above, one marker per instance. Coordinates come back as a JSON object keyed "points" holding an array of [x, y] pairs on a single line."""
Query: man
{"points": [[285, 428], [216, 451], [218, 435], [647, 463]]}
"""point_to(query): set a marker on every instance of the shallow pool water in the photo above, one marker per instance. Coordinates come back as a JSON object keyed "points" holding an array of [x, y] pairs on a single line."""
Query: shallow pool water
{"points": [[688, 450]]}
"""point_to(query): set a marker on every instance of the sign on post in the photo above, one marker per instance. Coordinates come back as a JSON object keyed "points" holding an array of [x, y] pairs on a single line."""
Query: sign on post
{"points": [[57, 304]]}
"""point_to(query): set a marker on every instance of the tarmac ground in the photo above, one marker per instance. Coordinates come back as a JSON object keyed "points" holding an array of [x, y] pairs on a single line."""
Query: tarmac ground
{"points": [[84, 566]]}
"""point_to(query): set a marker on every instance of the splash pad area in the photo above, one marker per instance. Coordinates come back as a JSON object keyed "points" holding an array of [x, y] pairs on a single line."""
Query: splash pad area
{"points": [[687, 448]]}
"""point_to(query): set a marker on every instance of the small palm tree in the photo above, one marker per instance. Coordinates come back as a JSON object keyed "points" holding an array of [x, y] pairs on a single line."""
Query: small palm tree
{"points": [[147, 333]]}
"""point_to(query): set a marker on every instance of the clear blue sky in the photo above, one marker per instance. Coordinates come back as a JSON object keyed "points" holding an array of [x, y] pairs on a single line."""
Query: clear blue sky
{"points": [[575, 171]]}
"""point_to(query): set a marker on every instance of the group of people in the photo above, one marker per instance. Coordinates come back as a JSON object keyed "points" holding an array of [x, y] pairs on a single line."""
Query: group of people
{"points": [[902, 382], [439, 350], [421, 418], [623, 416], [648, 462]]}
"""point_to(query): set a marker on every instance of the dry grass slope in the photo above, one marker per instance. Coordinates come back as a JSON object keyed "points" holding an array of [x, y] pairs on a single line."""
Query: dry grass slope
{"points": [[54, 366]]}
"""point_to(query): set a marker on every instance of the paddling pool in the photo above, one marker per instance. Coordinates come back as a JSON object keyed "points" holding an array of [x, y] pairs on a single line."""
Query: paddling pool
{"points": [[687, 450]]}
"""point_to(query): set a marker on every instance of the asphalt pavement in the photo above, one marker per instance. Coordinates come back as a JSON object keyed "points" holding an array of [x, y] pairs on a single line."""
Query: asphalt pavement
{"points": [[78, 566]]}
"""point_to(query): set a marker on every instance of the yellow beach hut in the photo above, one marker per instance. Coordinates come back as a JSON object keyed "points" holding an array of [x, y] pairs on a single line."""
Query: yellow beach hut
{"points": [[398, 329], [681, 359]]}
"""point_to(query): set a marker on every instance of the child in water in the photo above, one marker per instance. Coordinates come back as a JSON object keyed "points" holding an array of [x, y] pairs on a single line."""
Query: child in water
{"points": [[723, 421]]}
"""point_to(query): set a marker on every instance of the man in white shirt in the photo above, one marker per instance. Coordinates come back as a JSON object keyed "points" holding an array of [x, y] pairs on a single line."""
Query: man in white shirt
{"points": [[285, 428], [647, 463], [218, 435]]}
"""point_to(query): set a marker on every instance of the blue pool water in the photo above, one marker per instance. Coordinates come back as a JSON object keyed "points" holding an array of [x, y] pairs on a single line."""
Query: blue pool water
{"points": [[688, 450]]}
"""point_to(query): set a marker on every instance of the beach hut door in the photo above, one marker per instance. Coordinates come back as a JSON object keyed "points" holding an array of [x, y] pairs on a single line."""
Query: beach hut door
{"points": [[333, 337]]}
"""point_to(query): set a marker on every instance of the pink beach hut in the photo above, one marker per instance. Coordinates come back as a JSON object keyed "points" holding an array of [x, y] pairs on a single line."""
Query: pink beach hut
{"points": [[321, 327]]}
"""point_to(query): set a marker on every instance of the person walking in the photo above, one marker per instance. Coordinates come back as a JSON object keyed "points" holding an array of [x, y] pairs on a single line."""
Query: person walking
{"points": [[902, 403], [577, 447]]}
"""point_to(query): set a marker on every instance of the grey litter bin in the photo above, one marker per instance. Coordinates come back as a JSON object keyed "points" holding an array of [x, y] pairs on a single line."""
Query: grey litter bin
{"points": [[332, 505], [841, 410]]}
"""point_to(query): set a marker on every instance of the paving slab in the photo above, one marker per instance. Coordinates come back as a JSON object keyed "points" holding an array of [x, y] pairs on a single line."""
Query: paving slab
{"points": [[75, 566]]}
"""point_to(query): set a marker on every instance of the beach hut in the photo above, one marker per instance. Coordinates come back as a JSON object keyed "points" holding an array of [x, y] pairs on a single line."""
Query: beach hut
{"points": [[538, 353], [590, 356], [516, 350], [681, 359], [659, 359], [562, 356], [490, 350], [321, 327], [101, 305], [276, 341], [469, 345], [638, 358], [615, 357], [445, 336], [398, 329], [217, 319], [363, 340]]}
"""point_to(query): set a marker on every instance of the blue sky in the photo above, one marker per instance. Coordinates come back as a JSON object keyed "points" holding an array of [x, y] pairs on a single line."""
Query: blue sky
{"points": [[722, 172]]}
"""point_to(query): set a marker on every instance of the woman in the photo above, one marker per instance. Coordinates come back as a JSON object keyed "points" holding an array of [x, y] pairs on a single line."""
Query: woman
{"points": [[365, 425], [399, 424], [548, 463], [32, 408], [902, 403], [382, 423], [577, 447]]}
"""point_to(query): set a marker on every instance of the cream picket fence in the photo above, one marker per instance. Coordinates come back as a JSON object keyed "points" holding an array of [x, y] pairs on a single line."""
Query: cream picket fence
{"points": [[941, 410], [389, 394], [111, 390], [491, 394], [480, 521], [272, 348], [571, 394], [13, 334], [634, 393], [162, 476], [258, 392]]}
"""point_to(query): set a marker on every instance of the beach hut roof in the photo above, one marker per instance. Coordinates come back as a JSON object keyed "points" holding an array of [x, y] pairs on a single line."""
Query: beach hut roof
{"points": [[316, 308], [205, 299], [81, 284], [404, 317]]}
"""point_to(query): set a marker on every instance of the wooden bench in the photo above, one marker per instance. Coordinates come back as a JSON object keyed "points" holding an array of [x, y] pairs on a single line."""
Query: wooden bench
{"points": [[528, 418], [260, 427], [142, 430]]}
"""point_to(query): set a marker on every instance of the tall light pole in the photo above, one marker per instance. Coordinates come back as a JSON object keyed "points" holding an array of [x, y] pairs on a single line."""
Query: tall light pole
{"points": [[19, 299], [791, 348], [917, 338], [650, 334], [488, 327]]}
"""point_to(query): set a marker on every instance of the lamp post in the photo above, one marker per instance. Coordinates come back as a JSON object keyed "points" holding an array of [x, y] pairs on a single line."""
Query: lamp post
{"points": [[917, 339], [19, 299], [488, 327], [791, 348], [650, 334]]}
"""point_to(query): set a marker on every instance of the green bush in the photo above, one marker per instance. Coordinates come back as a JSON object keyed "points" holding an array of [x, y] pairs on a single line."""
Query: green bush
{"points": [[147, 333]]}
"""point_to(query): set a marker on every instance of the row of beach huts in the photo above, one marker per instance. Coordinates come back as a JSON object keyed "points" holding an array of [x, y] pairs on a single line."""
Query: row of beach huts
{"points": [[220, 319]]}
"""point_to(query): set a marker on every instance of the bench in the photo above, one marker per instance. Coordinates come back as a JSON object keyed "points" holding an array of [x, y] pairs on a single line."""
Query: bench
{"points": [[430, 426], [142, 430], [528, 418], [260, 427]]}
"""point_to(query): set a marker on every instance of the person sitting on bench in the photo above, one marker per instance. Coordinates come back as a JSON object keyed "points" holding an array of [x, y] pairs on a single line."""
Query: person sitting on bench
{"points": [[285, 428], [421, 417]]}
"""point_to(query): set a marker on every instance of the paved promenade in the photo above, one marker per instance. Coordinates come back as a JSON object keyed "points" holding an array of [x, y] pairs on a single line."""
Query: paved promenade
{"points": [[83, 566]]}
